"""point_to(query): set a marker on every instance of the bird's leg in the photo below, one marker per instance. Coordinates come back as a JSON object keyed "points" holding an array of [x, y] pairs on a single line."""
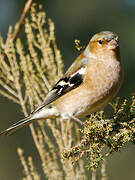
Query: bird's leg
{"points": [[77, 120]]}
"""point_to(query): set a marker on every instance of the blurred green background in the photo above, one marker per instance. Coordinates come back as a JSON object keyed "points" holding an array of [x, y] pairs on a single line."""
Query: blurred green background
{"points": [[73, 19]]}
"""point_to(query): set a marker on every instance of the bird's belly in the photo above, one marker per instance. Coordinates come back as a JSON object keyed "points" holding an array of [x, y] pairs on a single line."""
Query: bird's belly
{"points": [[83, 102]]}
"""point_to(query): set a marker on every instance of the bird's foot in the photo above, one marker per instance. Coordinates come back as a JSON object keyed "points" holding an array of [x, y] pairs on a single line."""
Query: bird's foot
{"points": [[103, 121]]}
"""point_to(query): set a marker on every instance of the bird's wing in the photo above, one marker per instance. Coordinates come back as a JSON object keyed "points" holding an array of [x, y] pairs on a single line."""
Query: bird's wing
{"points": [[69, 81]]}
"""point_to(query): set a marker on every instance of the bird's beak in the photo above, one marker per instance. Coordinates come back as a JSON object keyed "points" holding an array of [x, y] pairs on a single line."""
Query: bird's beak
{"points": [[113, 44]]}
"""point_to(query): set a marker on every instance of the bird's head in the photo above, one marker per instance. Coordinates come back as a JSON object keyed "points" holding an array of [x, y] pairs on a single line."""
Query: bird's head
{"points": [[103, 43]]}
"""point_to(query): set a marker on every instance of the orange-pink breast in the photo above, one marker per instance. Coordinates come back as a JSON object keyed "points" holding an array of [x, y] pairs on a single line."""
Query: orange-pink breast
{"points": [[101, 83]]}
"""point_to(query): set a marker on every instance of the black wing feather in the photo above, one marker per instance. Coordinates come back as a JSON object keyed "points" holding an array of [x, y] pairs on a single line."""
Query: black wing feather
{"points": [[63, 86]]}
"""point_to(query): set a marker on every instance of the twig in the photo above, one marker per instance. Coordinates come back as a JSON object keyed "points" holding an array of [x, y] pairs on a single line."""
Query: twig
{"points": [[103, 171], [94, 175], [21, 20], [12, 91], [24, 163], [8, 96]]}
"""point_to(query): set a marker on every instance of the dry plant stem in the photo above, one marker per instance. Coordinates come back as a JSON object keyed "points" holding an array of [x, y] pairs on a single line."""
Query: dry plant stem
{"points": [[18, 27], [46, 83], [33, 53], [32, 129], [103, 171], [94, 175], [57, 134], [33, 171], [52, 161], [28, 76], [8, 88], [26, 169], [8, 96], [81, 170], [42, 152], [31, 126], [47, 57], [20, 97], [21, 21], [5, 66], [58, 59], [35, 139]]}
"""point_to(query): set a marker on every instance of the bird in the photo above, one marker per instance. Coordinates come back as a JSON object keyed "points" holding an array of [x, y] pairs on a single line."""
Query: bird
{"points": [[88, 85]]}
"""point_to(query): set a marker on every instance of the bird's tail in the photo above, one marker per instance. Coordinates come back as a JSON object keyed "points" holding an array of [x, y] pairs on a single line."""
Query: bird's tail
{"points": [[15, 127], [44, 113]]}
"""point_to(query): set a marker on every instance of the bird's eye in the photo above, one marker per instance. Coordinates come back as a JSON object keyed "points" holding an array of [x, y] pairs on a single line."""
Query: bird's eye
{"points": [[101, 41]]}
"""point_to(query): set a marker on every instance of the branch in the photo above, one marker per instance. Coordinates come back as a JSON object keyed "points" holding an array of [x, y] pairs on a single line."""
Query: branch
{"points": [[21, 20]]}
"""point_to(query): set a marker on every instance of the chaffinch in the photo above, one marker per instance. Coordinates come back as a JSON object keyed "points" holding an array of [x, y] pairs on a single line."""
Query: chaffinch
{"points": [[88, 85]]}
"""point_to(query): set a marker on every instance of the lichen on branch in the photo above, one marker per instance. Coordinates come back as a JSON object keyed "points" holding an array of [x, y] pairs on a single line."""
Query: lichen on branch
{"points": [[102, 135]]}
